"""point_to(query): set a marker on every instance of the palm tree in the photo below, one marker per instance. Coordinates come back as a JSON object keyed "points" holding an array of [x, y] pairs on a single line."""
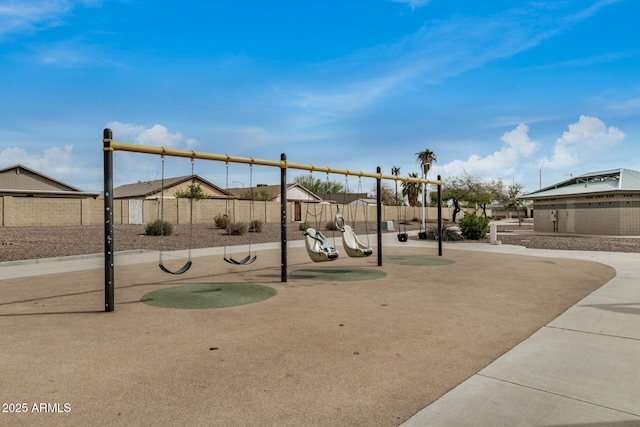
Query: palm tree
{"points": [[411, 189], [426, 158], [395, 171]]}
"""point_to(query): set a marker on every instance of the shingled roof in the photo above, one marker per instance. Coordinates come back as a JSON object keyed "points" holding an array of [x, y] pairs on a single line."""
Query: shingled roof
{"points": [[144, 189], [19, 180], [274, 192]]}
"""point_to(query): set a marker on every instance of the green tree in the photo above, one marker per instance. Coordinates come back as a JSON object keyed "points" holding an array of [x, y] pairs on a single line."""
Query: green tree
{"points": [[471, 191], [319, 186], [258, 193], [192, 192], [461, 190], [387, 196], [486, 192], [512, 201]]}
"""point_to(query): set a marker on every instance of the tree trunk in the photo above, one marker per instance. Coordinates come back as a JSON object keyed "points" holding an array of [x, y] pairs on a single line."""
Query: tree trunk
{"points": [[456, 209]]}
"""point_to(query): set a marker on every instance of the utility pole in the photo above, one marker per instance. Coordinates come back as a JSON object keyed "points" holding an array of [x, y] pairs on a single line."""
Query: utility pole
{"points": [[541, 164]]}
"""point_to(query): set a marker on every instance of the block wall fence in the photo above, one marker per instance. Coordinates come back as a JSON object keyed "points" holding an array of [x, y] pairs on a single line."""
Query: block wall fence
{"points": [[37, 211]]}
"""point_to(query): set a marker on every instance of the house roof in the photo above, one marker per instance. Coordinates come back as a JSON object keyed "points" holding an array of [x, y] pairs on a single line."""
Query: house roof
{"points": [[608, 181], [343, 198], [272, 190], [19, 180], [149, 188]]}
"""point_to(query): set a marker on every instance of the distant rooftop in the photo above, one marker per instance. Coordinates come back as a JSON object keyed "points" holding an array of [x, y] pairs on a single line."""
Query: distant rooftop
{"points": [[609, 181]]}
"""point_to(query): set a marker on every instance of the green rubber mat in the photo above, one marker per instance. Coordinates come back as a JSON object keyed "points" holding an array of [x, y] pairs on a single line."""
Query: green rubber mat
{"points": [[208, 295]]}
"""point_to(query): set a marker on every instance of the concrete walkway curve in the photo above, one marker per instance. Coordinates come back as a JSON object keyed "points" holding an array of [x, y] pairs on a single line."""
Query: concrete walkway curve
{"points": [[581, 369]]}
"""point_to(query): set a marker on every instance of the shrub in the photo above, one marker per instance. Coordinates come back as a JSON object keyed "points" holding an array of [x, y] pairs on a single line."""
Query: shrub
{"points": [[158, 228], [474, 227], [255, 226], [449, 234], [236, 228], [222, 221], [330, 226], [303, 226]]}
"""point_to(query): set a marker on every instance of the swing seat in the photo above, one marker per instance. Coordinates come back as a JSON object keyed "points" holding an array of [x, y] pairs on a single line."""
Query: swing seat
{"points": [[353, 245], [244, 261], [403, 237], [318, 247], [182, 270]]}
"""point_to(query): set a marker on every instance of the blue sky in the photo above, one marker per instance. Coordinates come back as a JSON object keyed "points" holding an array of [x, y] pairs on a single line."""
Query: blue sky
{"points": [[497, 89]]}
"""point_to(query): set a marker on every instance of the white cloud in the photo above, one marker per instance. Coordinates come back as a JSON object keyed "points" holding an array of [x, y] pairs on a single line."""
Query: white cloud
{"points": [[29, 15], [19, 15], [68, 54], [351, 97], [437, 51], [516, 146], [131, 167], [413, 3], [156, 135], [631, 106], [584, 139], [55, 162]]}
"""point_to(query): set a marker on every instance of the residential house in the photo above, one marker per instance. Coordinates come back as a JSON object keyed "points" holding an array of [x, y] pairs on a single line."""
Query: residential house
{"points": [[21, 181], [158, 189], [296, 193]]}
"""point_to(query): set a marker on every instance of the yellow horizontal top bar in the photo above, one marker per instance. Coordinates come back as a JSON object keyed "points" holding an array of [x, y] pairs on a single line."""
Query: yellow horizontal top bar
{"points": [[111, 145]]}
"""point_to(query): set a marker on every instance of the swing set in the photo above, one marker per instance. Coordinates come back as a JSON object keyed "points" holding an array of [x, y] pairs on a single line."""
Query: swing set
{"points": [[187, 266], [248, 259], [353, 246], [318, 240]]}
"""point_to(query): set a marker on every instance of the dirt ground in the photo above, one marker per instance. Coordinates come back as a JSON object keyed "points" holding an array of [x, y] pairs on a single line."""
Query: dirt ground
{"points": [[22, 243], [319, 353]]}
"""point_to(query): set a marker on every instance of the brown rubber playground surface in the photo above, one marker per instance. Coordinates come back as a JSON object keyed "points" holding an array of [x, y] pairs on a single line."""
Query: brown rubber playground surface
{"points": [[318, 353]]}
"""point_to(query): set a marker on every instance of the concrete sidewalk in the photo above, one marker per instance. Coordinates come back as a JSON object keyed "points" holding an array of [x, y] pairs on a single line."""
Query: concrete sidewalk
{"points": [[581, 369]]}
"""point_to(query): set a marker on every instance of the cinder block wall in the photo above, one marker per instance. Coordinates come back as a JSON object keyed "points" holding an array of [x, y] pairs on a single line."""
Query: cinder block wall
{"points": [[613, 215], [36, 211]]}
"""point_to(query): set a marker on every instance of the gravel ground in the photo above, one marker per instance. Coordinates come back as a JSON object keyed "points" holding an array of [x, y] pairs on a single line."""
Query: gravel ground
{"points": [[21, 243], [512, 234]]}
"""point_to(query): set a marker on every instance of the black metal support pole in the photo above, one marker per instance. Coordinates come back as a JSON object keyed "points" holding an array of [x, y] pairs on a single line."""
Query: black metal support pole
{"points": [[109, 276], [439, 218], [283, 219], [379, 214]]}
